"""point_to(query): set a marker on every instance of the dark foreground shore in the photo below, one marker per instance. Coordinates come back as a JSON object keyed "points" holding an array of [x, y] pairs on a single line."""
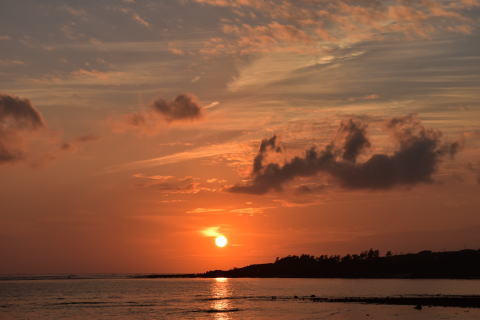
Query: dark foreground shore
{"points": [[461, 301], [418, 302]]}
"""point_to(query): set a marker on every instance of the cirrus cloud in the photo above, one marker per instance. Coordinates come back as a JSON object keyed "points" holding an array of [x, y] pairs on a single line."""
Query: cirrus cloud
{"points": [[294, 25]]}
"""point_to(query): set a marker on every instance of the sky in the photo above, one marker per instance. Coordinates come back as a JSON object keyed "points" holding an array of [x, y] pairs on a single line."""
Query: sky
{"points": [[133, 132]]}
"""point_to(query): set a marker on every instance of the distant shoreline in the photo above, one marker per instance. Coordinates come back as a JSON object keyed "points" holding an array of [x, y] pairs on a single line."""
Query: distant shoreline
{"points": [[194, 276], [459, 265], [463, 264], [202, 276]]}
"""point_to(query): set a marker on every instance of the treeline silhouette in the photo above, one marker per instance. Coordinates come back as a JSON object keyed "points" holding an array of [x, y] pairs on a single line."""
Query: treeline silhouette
{"points": [[367, 264]]}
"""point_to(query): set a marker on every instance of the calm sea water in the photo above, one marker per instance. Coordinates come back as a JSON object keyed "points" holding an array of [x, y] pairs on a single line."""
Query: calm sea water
{"points": [[222, 299]]}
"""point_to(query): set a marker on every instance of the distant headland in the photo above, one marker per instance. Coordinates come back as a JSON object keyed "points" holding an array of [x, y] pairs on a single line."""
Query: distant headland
{"points": [[463, 264]]}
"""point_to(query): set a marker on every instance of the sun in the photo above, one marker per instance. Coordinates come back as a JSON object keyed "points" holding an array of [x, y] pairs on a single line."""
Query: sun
{"points": [[221, 241]]}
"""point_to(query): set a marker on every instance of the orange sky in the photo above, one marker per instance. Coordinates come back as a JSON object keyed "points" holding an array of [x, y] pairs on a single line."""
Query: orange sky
{"points": [[129, 127]]}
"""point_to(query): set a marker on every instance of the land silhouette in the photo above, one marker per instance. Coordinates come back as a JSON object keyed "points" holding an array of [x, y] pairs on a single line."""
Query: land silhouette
{"points": [[367, 264], [463, 264]]}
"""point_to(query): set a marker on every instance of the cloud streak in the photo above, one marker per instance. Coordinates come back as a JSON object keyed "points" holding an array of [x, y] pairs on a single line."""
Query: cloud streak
{"points": [[196, 153], [419, 151]]}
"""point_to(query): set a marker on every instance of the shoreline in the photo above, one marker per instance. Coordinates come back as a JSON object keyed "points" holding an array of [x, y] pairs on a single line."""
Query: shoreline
{"points": [[417, 301], [406, 277], [203, 276]]}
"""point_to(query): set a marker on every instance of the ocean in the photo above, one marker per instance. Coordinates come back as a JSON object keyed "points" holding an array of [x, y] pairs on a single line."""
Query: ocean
{"points": [[223, 299]]}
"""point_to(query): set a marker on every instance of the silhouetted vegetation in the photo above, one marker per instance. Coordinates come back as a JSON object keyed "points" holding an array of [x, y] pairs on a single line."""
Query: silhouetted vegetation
{"points": [[367, 264]]}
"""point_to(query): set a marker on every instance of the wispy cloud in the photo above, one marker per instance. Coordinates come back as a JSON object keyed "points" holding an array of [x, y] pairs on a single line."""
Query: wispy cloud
{"points": [[211, 232], [135, 17], [197, 153], [205, 210], [250, 211], [11, 62]]}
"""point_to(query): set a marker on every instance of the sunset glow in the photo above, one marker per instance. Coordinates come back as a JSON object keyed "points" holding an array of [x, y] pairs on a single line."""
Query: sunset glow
{"points": [[137, 136]]}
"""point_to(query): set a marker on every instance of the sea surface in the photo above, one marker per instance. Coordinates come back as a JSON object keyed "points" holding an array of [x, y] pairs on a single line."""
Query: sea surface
{"points": [[223, 299]]}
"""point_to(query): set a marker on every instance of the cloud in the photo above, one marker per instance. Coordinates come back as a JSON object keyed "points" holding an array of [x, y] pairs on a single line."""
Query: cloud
{"points": [[11, 62], [211, 232], [265, 146], [196, 153], [154, 178], [135, 17], [17, 118], [184, 107], [24, 135], [419, 151], [18, 113], [241, 211], [205, 210], [355, 139], [311, 188], [169, 185], [249, 211], [140, 20], [372, 96], [339, 22]]}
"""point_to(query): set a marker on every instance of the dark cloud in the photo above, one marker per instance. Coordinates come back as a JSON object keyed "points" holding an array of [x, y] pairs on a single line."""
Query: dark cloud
{"points": [[417, 157], [311, 188], [265, 146], [355, 139], [17, 113], [16, 116], [184, 107]]}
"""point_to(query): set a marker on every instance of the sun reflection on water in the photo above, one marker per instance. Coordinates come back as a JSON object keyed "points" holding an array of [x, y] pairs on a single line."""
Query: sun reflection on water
{"points": [[220, 290]]}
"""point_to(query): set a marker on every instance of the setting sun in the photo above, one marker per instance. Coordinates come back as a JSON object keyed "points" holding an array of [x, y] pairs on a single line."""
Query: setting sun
{"points": [[221, 241], [240, 159]]}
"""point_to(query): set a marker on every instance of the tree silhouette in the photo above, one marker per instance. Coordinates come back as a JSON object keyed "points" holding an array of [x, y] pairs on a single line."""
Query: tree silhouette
{"points": [[367, 264]]}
